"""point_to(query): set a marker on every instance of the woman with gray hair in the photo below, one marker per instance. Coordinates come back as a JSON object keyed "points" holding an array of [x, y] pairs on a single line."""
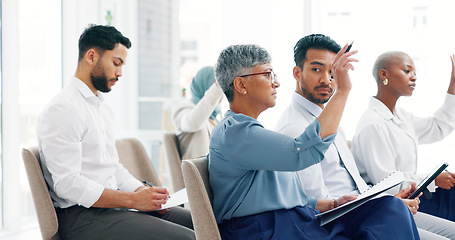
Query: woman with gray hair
{"points": [[256, 192]]}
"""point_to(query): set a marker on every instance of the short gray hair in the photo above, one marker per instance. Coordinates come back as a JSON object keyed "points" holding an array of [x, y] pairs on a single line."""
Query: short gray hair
{"points": [[235, 61]]}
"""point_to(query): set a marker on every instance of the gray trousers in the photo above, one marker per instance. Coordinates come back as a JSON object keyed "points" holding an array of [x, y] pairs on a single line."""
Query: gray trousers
{"points": [[77, 222], [432, 228]]}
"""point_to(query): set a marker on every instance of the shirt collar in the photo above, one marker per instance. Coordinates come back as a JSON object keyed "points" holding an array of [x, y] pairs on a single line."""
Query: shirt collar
{"points": [[85, 91], [230, 113], [304, 103], [383, 111]]}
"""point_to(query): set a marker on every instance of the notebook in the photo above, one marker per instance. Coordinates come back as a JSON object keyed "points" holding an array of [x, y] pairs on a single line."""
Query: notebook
{"points": [[394, 179]]}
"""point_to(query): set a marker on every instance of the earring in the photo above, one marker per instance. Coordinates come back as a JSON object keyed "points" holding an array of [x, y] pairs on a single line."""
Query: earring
{"points": [[244, 92], [386, 81]]}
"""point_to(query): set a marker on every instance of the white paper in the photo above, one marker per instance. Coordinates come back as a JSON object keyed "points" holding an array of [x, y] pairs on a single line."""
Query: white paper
{"points": [[176, 199]]}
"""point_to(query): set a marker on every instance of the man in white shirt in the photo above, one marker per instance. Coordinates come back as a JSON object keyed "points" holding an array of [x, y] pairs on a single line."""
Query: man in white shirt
{"points": [[91, 190], [337, 175]]}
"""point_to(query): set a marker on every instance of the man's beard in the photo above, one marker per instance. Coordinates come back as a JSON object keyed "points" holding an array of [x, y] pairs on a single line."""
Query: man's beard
{"points": [[100, 83], [310, 96], [99, 79]]}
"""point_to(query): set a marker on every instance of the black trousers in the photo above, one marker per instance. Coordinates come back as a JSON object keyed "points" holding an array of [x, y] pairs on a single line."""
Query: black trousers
{"points": [[78, 222]]}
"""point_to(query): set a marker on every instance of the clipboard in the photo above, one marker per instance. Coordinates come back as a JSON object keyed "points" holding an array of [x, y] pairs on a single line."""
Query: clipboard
{"points": [[422, 186]]}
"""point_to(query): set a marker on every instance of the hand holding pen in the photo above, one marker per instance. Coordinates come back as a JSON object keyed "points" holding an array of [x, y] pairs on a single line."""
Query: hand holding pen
{"points": [[162, 211], [149, 198], [349, 47], [147, 183], [347, 50], [341, 66]]}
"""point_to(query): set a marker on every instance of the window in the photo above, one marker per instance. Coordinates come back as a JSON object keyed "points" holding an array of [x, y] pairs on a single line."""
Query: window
{"points": [[420, 16], [31, 75], [410, 26], [1, 155], [157, 69], [188, 45], [414, 26], [39, 76]]}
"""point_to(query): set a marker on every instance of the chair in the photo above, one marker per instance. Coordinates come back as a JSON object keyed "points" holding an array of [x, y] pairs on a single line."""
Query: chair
{"points": [[47, 218], [174, 161], [200, 197], [133, 156]]}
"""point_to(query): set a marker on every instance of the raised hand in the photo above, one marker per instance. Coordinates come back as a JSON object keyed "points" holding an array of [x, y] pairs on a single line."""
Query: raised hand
{"points": [[451, 89], [331, 115], [340, 68]]}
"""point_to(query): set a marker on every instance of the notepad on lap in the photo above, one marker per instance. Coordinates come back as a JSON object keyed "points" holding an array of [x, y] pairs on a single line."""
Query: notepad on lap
{"points": [[385, 184], [177, 198]]}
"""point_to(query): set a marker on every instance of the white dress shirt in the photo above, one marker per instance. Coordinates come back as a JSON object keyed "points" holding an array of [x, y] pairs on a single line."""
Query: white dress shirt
{"points": [[77, 148], [337, 174], [385, 142], [329, 179]]}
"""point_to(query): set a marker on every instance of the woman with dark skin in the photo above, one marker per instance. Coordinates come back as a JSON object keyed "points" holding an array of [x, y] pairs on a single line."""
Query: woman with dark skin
{"points": [[386, 138]]}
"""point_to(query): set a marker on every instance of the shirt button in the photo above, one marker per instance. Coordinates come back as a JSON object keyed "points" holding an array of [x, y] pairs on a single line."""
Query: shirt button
{"points": [[298, 149]]}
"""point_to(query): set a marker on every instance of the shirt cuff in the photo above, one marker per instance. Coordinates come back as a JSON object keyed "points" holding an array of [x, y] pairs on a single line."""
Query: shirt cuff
{"points": [[311, 139], [449, 101], [91, 194], [312, 202], [130, 185]]}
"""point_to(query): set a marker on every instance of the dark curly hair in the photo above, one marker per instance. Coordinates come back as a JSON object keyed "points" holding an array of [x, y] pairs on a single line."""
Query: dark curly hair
{"points": [[313, 41], [102, 38]]}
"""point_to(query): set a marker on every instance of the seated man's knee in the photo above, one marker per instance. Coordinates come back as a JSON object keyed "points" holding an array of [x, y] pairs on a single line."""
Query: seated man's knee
{"points": [[393, 203]]}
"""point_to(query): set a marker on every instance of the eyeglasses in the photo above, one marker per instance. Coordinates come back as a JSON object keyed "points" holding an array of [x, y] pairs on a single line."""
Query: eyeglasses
{"points": [[271, 75]]}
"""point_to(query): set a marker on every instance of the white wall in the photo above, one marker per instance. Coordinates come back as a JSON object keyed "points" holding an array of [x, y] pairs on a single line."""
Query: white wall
{"points": [[10, 128], [77, 15]]}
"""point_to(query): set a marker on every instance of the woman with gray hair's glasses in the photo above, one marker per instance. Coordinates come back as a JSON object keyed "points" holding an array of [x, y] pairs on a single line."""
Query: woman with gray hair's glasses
{"points": [[252, 170]]}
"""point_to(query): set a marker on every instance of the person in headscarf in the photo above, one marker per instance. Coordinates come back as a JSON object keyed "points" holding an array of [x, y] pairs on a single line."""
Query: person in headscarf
{"points": [[195, 119]]}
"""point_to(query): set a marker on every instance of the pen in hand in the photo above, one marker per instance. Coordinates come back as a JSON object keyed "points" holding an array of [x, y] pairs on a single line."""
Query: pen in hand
{"points": [[347, 50], [147, 183], [349, 47]]}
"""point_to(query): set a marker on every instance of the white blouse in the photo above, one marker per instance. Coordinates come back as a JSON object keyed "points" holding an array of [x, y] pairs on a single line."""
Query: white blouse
{"points": [[385, 142]]}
